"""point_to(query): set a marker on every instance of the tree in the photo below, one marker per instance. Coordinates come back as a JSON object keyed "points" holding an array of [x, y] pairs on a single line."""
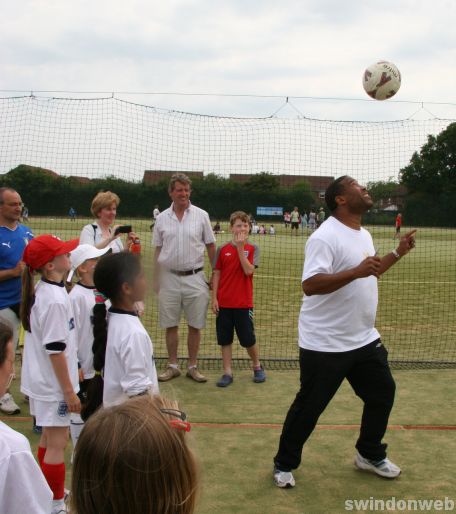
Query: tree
{"points": [[431, 181], [382, 190], [262, 183], [301, 196], [432, 170]]}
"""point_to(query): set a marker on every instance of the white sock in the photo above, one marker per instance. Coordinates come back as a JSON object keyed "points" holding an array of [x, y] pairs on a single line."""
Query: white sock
{"points": [[174, 366], [76, 426]]}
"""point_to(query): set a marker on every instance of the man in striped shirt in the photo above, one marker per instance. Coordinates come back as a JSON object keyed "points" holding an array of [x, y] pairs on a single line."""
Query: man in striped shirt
{"points": [[182, 234]]}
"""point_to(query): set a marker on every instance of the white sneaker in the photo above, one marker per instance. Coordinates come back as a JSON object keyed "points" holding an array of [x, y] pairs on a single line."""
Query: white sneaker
{"points": [[59, 507], [384, 468], [8, 405], [283, 479]]}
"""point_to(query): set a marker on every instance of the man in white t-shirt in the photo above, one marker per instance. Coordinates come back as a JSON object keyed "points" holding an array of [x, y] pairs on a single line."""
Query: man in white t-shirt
{"points": [[337, 334]]}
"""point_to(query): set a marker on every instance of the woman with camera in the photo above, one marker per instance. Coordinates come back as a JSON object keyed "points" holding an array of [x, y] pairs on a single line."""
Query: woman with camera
{"points": [[101, 233]]}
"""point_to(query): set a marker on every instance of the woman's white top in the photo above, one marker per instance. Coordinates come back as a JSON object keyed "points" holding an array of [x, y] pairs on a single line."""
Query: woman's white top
{"points": [[91, 234]]}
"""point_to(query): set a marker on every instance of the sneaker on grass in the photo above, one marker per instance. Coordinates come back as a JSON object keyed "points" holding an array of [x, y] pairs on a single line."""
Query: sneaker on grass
{"points": [[169, 373], [259, 376], [195, 375], [224, 381], [384, 468], [283, 479], [8, 405]]}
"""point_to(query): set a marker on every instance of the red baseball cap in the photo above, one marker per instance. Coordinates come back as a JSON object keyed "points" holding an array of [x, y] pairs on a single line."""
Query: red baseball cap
{"points": [[45, 248]]}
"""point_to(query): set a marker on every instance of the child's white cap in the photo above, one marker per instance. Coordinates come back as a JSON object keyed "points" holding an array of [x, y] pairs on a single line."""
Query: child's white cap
{"points": [[81, 254]]}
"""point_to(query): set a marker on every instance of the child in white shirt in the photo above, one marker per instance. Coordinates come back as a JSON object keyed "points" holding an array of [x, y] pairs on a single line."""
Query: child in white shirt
{"points": [[122, 349], [50, 366], [83, 261], [23, 487]]}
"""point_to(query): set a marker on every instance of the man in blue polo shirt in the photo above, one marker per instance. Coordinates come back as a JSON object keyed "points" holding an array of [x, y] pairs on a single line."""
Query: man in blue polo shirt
{"points": [[13, 239]]}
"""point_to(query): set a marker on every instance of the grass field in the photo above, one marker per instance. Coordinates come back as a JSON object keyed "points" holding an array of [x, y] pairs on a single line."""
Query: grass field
{"points": [[416, 315], [235, 434], [235, 431]]}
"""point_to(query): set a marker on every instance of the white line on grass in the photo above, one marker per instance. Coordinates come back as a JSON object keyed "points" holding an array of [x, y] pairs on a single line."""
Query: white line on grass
{"points": [[295, 279]]}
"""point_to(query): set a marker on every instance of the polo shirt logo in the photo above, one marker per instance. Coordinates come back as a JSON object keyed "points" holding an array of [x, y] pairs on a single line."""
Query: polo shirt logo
{"points": [[246, 253], [7, 244]]}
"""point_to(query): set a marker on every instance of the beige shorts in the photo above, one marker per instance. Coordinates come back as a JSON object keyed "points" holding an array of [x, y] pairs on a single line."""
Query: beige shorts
{"points": [[189, 294], [9, 316], [50, 414]]}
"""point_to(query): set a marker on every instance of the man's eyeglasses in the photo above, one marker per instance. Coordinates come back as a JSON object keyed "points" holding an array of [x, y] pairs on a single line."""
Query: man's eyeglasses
{"points": [[180, 422]]}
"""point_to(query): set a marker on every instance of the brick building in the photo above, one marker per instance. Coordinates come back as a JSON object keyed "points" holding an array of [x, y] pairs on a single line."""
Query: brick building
{"points": [[152, 177]]}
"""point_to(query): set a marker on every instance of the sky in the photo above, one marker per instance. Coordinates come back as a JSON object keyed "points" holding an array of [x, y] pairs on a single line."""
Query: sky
{"points": [[310, 48]]}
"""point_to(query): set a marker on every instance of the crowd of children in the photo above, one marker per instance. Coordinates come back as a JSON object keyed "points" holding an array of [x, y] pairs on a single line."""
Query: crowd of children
{"points": [[88, 349]]}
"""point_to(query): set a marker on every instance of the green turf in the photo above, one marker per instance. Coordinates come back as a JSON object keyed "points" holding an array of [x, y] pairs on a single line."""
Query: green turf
{"points": [[416, 314], [235, 462]]}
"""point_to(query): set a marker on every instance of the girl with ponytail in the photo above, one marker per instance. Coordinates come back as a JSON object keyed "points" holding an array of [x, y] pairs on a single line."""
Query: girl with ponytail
{"points": [[122, 349], [50, 366]]}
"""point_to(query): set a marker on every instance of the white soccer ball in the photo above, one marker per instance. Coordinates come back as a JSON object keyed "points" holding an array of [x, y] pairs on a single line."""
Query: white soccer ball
{"points": [[382, 80]]}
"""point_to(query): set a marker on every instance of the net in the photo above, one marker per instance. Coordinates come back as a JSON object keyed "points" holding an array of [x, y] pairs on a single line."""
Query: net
{"points": [[62, 151]]}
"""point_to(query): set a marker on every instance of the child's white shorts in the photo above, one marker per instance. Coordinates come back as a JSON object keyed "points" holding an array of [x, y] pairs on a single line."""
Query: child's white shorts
{"points": [[50, 414]]}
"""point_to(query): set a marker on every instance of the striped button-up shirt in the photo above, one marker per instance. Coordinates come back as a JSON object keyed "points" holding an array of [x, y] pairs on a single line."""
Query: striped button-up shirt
{"points": [[182, 242]]}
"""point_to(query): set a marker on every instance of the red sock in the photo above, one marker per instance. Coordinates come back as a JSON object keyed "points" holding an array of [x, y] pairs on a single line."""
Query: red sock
{"points": [[55, 476], [41, 454]]}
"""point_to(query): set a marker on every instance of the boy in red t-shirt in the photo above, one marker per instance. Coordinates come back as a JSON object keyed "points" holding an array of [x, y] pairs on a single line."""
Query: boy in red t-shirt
{"points": [[232, 297], [398, 226]]}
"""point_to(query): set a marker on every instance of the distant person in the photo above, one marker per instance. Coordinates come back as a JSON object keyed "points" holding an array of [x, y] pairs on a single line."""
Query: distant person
{"points": [[312, 220], [255, 228], [272, 230], [286, 219], [217, 229], [155, 215], [232, 297], [182, 234], [23, 487], [337, 335], [134, 458], [72, 214], [294, 218], [321, 216], [14, 237], [304, 221], [25, 214], [398, 226], [262, 230]]}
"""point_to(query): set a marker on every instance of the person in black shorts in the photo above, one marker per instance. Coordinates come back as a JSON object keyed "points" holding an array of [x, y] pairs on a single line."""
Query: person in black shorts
{"points": [[295, 220], [232, 301]]}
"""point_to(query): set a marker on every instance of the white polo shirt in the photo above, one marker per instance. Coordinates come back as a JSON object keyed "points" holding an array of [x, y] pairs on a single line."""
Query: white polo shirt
{"points": [[129, 363], [91, 234], [23, 488], [343, 320], [182, 242], [51, 321], [82, 301]]}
